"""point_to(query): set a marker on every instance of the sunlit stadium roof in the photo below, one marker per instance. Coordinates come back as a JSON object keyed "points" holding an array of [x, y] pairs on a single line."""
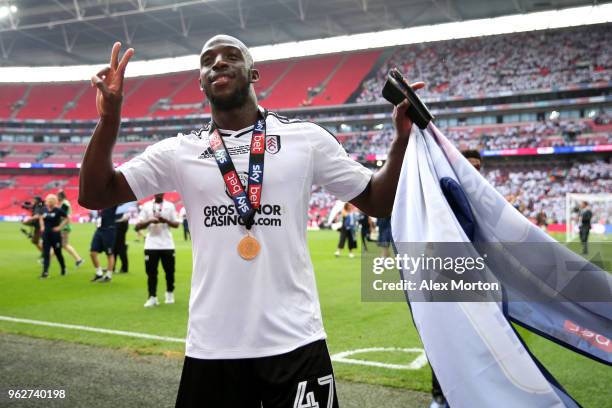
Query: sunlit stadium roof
{"points": [[69, 32], [462, 29]]}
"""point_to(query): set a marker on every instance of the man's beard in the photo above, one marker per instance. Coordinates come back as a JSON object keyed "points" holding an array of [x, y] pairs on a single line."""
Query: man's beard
{"points": [[236, 100]]}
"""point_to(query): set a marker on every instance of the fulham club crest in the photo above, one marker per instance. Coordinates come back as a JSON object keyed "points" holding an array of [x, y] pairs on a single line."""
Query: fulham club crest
{"points": [[273, 144]]}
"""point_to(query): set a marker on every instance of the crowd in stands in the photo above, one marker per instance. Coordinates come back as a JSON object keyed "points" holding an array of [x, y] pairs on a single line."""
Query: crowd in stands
{"points": [[530, 191], [506, 63], [320, 204], [549, 133]]}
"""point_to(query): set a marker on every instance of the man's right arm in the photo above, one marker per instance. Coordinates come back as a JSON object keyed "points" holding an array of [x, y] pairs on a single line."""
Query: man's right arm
{"points": [[100, 185]]}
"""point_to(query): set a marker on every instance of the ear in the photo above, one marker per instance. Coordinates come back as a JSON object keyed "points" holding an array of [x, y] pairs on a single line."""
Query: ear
{"points": [[201, 85], [254, 74]]}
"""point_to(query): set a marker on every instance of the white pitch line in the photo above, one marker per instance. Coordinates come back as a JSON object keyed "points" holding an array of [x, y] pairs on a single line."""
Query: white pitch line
{"points": [[93, 329], [415, 364]]}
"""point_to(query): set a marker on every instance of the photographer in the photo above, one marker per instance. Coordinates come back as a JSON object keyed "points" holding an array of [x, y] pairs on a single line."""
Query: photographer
{"points": [[37, 208]]}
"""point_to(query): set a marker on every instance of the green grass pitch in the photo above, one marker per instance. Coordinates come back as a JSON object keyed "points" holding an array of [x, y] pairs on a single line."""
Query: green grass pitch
{"points": [[349, 322]]}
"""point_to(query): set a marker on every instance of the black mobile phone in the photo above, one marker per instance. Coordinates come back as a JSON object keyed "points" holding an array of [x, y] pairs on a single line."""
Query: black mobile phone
{"points": [[396, 89]]}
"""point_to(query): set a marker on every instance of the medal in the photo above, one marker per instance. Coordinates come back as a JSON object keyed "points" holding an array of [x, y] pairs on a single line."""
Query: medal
{"points": [[248, 248], [248, 200]]}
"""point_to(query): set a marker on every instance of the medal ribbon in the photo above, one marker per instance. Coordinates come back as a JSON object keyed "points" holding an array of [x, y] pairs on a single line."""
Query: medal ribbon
{"points": [[246, 203]]}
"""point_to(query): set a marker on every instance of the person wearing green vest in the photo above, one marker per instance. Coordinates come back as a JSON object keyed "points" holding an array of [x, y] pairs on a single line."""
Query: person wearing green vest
{"points": [[65, 205]]}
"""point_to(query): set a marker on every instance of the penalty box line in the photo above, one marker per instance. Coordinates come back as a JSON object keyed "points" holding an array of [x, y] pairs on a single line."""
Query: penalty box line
{"points": [[92, 329]]}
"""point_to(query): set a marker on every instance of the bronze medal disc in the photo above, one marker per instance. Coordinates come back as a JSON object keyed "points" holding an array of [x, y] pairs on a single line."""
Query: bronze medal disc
{"points": [[248, 248]]}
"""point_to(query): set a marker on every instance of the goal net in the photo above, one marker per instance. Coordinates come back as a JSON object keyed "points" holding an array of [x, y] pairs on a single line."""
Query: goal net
{"points": [[601, 207]]}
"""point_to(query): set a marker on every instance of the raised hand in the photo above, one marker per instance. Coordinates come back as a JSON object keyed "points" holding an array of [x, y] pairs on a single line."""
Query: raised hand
{"points": [[109, 82], [401, 121]]}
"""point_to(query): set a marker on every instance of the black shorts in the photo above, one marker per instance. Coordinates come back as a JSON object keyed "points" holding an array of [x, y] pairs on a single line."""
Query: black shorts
{"points": [[103, 240], [301, 378]]}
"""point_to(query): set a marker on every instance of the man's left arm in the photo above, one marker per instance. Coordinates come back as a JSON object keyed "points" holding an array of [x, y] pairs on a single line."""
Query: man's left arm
{"points": [[378, 197]]}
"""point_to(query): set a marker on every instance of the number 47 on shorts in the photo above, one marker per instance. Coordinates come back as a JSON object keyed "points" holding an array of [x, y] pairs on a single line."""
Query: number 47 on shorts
{"points": [[304, 399]]}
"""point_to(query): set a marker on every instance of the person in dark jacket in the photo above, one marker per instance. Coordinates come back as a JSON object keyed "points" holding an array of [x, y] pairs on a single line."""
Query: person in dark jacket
{"points": [[52, 220], [585, 226]]}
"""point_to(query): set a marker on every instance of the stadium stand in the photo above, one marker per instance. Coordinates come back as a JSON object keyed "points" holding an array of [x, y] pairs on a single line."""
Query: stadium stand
{"points": [[531, 188], [10, 95], [543, 187], [48, 101], [81, 107], [313, 81], [342, 83], [544, 60], [491, 137], [301, 79], [516, 63], [506, 63]]}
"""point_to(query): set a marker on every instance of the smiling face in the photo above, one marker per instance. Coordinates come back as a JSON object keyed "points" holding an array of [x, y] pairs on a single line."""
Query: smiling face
{"points": [[226, 72]]}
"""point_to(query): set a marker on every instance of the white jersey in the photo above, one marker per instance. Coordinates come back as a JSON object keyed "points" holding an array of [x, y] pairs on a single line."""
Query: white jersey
{"points": [[159, 235], [268, 305]]}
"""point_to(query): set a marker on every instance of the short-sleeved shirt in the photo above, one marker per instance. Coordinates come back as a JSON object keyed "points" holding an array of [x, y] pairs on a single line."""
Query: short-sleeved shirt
{"points": [[159, 235], [67, 208], [268, 305], [107, 217], [52, 218]]}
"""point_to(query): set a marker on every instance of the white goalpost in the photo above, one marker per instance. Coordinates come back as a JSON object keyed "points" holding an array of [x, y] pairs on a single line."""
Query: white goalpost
{"points": [[601, 207]]}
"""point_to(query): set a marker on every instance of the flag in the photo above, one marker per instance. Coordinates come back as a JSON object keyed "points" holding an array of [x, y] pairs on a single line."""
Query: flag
{"points": [[478, 357]]}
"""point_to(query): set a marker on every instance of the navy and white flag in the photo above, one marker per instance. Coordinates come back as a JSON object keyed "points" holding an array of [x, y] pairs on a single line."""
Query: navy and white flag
{"points": [[478, 357]]}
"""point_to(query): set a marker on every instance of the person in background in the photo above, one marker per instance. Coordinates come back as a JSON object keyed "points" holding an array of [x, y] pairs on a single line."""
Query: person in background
{"points": [[136, 214], [122, 224], [37, 208], [384, 235], [348, 229], [183, 218], [52, 220], [474, 157], [366, 228], [65, 205], [157, 216], [585, 226], [103, 241], [541, 220]]}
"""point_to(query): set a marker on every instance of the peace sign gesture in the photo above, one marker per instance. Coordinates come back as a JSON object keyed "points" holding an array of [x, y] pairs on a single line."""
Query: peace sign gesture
{"points": [[109, 82]]}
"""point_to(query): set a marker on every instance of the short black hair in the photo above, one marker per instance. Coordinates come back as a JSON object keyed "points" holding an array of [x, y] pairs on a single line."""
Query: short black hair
{"points": [[472, 154]]}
